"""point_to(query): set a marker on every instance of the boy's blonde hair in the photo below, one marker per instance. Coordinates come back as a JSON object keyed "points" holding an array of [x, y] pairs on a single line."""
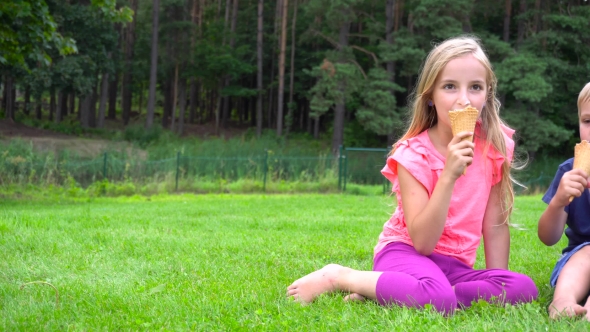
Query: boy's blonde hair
{"points": [[424, 116], [583, 97]]}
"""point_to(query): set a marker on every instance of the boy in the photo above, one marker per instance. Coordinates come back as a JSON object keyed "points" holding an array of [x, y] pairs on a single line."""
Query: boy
{"points": [[571, 275]]}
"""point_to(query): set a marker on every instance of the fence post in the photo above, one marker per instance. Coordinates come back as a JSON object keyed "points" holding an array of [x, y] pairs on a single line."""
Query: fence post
{"points": [[104, 167], [340, 168], [177, 167], [265, 169], [345, 170]]}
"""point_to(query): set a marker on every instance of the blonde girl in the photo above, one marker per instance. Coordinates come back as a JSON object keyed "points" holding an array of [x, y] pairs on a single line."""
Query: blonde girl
{"points": [[426, 251]]}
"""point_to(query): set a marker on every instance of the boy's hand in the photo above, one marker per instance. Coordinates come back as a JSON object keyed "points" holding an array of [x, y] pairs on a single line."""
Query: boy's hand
{"points": [[572, 184]]}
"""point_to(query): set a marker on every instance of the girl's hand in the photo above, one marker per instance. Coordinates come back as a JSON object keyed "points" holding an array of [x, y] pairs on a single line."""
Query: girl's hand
{"points": [[572, 184], [459, 155]]}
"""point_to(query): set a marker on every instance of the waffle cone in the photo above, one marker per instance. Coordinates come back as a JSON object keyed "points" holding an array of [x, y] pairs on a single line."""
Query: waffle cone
{"points": [[463, 120], [582, 156]]}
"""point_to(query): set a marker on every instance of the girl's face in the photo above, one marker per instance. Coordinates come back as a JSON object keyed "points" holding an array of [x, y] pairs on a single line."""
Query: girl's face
{"points": [[585, 121], [461, 82]]}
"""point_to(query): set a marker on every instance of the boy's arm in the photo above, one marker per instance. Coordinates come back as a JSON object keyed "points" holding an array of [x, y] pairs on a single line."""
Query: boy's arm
{"points": [[552, 223], [496, 234], [553, 219]]}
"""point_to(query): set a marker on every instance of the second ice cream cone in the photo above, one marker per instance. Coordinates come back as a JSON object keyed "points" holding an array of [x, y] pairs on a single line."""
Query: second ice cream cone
{"points": [[582, 158]]}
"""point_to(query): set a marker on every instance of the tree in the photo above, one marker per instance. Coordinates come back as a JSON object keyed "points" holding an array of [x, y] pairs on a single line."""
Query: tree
{"points": [[154, 66], [281, 89], [127, 82], [259, 60], [28, 31]]}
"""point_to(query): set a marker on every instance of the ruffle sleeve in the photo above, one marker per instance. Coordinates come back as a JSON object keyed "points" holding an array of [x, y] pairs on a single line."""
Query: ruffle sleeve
{"points": [[414, 156]]}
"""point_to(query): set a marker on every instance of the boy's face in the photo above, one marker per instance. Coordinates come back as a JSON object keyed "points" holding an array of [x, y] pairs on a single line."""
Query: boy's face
{"points": [[585, 121]]}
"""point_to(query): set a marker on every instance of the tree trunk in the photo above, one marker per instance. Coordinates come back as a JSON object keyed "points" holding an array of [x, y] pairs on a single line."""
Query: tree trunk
{"points": [[51, 103], [192, 106], [141, 91], [281, 88], [536, 28], [174, 98], [38, 107], [259, 58], [92, 108], [72, 103], [270, 109], [339, 109], [226, 100], [316, 127], [27, 103], [291, 105], [127, 84], [9, 110], [181, 106], [168, 100], [390, 15], [153, 67], [85, 110], [507, 15], [195, 19], [521, 23], [218, 107], [103, 100], [60, 104], [113, 97]]}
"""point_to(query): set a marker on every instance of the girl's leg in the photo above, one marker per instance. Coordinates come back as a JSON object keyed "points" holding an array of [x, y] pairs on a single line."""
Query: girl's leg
{"points": [[401, 276], [572, 286], [472, 285], [412, 280], [331, 278]]}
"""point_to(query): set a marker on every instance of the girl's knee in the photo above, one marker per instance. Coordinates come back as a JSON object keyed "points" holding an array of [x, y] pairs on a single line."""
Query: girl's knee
{"points": [[521, 289]]}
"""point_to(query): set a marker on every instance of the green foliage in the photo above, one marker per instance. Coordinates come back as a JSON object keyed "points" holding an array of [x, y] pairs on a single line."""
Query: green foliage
{"points": [[141, 136], [27, 31], [541, 63], [523, 75], [378, 113]]}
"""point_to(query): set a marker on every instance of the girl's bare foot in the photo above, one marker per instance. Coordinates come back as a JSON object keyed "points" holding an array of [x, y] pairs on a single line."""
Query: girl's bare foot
{"points": [[564, 308], [352, 297], [306, 289]]}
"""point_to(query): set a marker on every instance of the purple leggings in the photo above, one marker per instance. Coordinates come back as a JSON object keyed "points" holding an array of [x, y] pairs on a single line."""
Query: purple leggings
{"points": [[413, 280]]}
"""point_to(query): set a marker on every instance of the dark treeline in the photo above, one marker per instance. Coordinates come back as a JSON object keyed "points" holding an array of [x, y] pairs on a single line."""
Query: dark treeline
{"points": [[317, 66]]}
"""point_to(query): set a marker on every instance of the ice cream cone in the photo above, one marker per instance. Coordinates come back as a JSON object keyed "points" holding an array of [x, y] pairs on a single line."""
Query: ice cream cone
{"points": [[464, 120], [582, 158]]}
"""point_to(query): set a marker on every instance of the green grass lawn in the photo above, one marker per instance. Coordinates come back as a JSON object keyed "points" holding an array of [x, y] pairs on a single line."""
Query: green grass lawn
{"points": [[223, 262]]}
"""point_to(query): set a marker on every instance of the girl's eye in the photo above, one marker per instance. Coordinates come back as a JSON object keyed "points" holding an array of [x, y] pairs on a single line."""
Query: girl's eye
{"points": [[477, 87], [448, 86]]}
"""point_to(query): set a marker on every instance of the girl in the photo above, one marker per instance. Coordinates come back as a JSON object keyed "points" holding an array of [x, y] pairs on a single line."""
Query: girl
{"points": [[427, 249]]}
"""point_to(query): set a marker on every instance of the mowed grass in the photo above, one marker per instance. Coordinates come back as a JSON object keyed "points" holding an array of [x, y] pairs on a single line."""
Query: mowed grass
{"points": [[222, 263]]}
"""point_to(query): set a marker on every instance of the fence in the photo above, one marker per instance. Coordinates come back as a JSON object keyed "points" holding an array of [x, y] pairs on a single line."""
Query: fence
{"points": [[362, 167], [352, 165]]}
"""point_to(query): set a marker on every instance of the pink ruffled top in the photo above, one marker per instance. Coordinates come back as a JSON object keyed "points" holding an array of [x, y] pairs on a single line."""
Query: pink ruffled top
{"points": [[463, 229]]}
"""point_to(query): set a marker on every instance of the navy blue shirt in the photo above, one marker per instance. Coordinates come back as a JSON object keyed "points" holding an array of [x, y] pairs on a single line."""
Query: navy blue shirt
{"points": [[578, 211]]}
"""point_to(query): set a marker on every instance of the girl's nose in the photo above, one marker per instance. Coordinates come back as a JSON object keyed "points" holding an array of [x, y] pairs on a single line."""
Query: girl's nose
{"points": [[463, 102]]}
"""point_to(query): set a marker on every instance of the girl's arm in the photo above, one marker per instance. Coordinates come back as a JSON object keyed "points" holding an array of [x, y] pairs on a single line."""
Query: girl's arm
{"points": [[496, 234], [424, 216]]}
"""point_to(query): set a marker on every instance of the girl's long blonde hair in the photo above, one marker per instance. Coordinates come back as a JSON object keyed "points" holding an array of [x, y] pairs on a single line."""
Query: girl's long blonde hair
{"points": [[424, 116]]}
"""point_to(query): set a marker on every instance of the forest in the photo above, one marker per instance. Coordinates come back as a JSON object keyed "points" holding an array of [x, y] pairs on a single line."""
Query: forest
{"points": [[339, 68]]}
